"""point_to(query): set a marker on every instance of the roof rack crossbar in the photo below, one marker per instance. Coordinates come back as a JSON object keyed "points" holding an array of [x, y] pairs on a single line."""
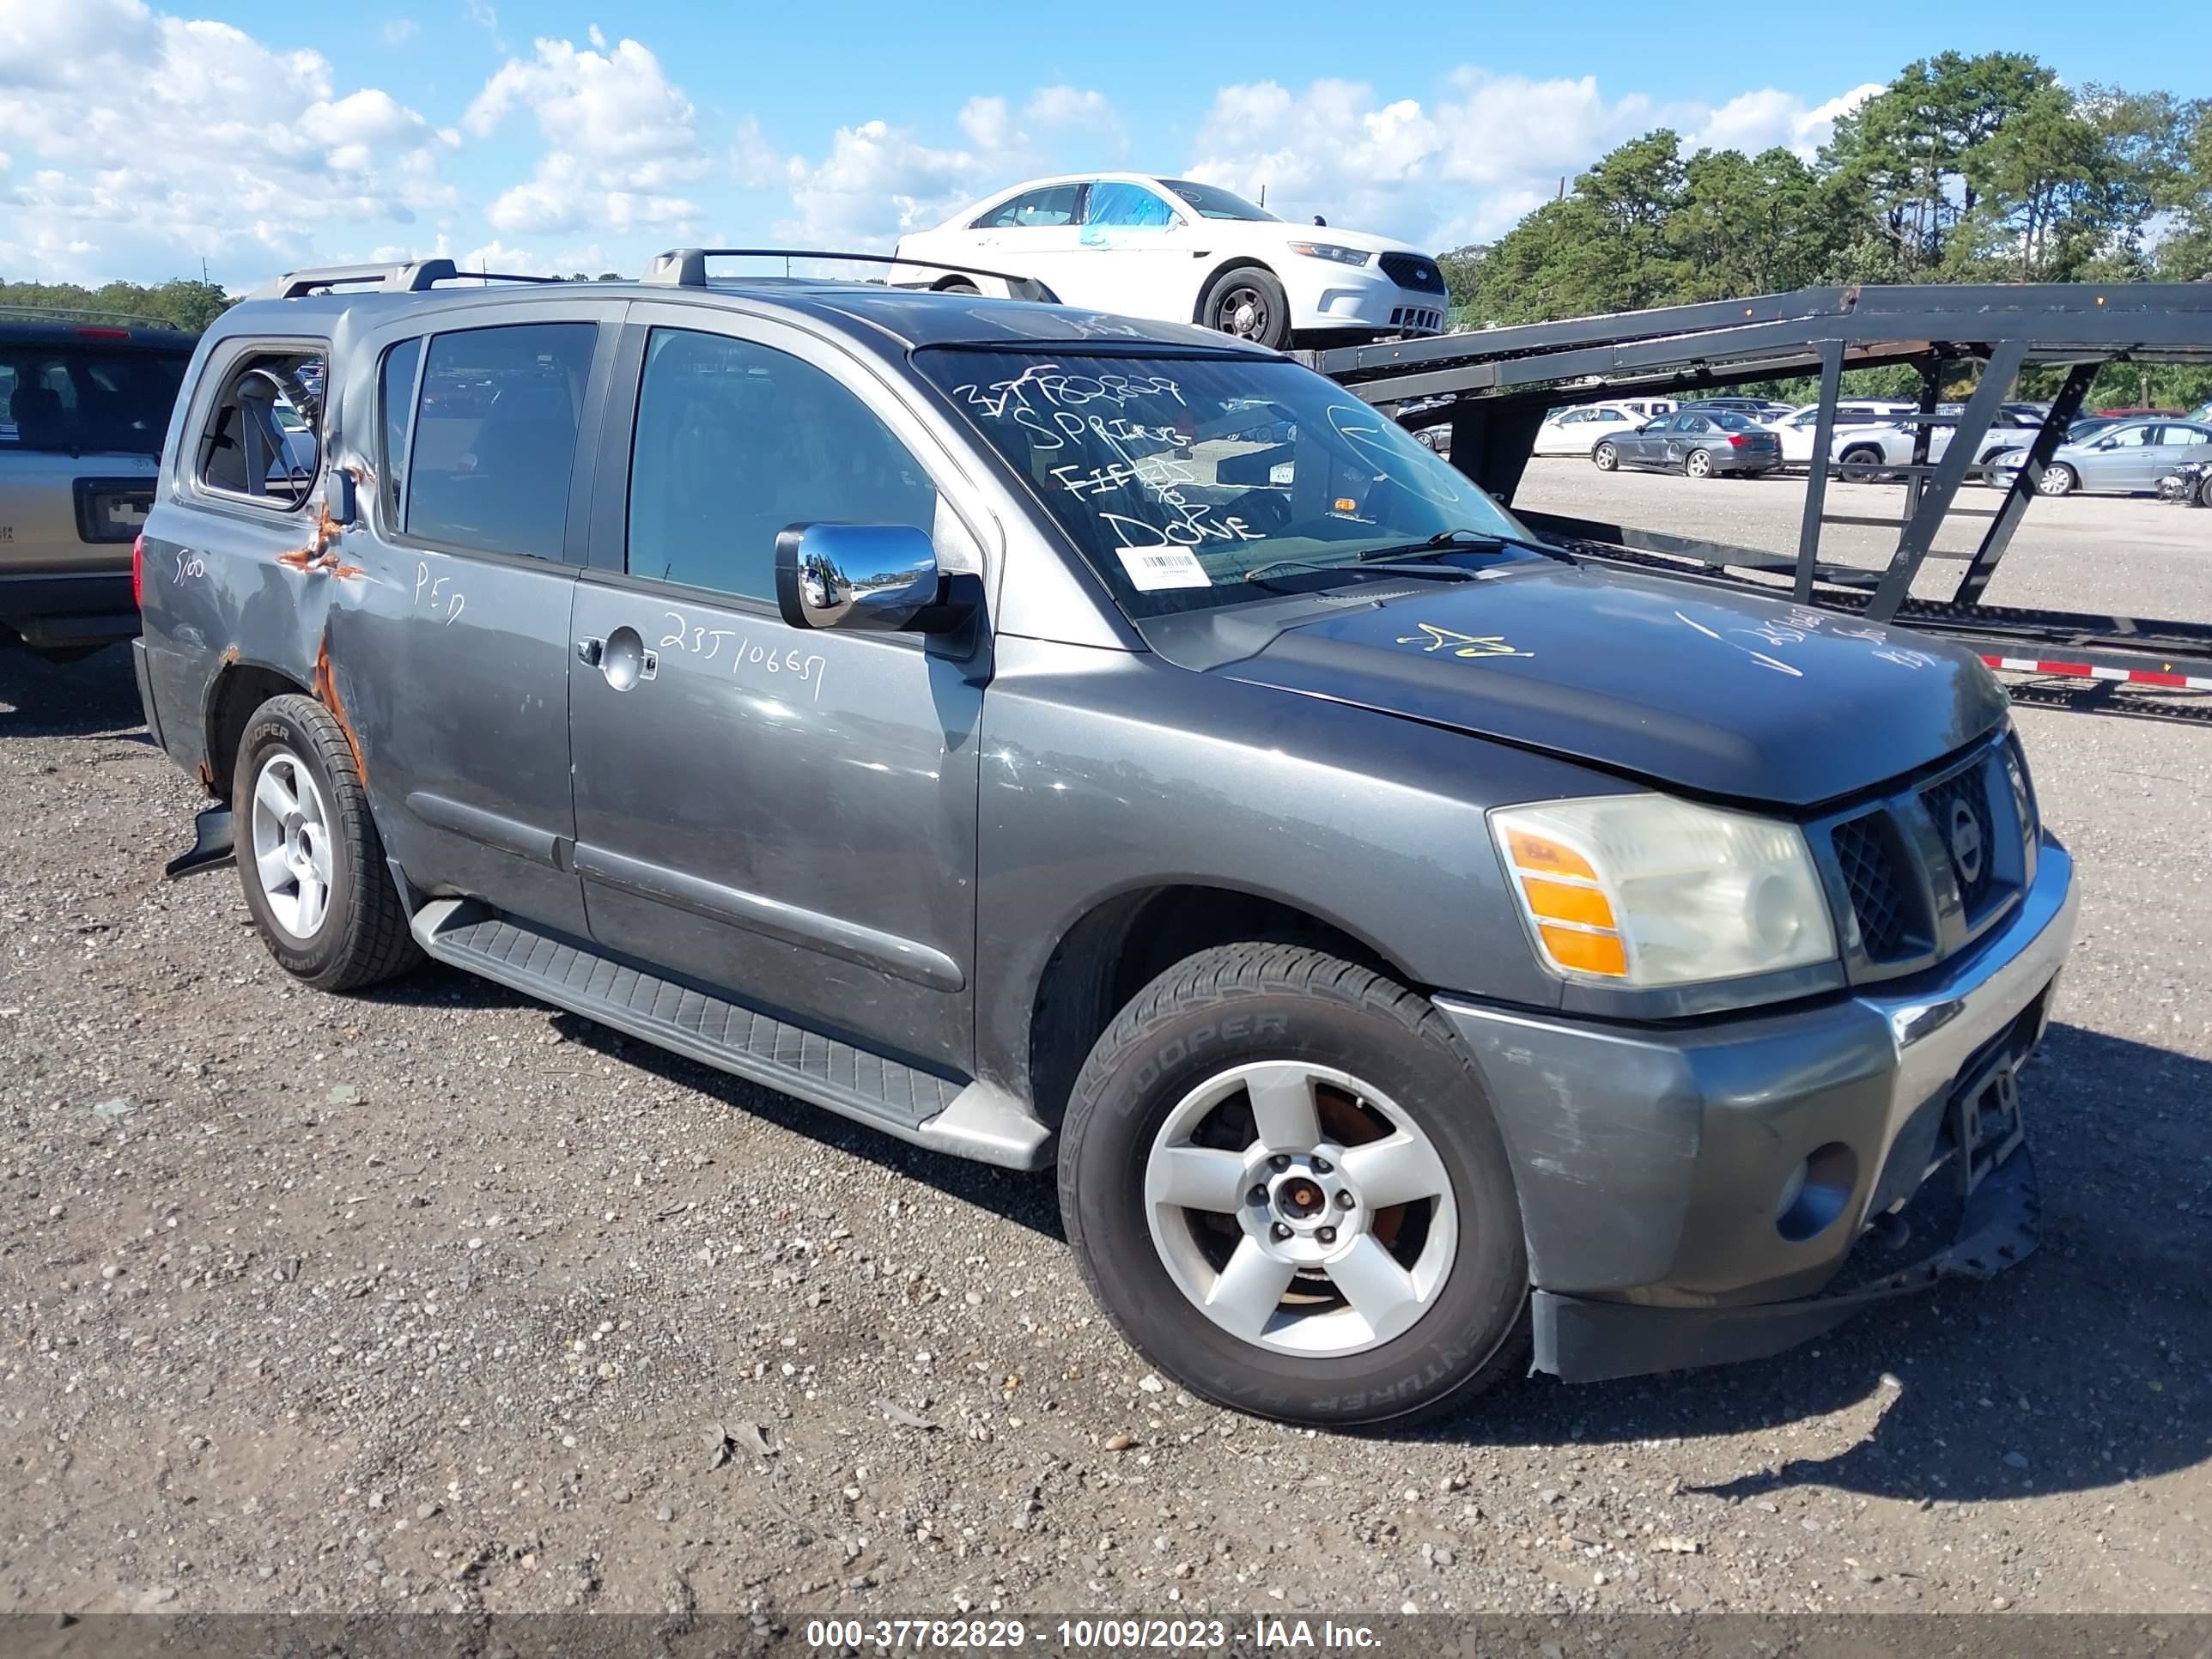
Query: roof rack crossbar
{"points": [[413, 277], [686, 267]]}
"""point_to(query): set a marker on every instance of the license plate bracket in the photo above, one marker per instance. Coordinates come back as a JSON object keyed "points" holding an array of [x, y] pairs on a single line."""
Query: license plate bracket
{"points": [[1985, 1120]]}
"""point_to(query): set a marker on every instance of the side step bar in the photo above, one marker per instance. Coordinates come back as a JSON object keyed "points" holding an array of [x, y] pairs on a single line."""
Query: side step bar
{"points": [[974, 1120]]}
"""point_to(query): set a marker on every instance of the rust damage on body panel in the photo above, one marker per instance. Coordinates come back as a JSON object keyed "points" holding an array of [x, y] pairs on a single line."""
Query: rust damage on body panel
{"points": [[326, 692]]}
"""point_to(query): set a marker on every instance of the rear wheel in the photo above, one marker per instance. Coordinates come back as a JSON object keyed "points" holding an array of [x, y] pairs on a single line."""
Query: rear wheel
{"points": [[2204, 491], [309, 857], [1605, 458], [1698, 464], [1248, 302], [1862, 457], [2058, 479], [958, 285], [1284, 1186]]}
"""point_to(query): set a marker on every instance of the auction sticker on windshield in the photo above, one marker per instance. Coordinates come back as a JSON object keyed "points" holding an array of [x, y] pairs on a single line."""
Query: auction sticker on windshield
{"points": [[1152, 568]]}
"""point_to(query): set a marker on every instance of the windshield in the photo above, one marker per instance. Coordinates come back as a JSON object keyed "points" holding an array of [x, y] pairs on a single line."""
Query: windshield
{"points": [[87, 398], [1188, 483], [1214, 203]]}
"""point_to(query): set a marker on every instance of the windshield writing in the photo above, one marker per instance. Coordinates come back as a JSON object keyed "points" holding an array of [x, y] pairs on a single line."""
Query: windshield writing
{"points": [[1185, 482]]}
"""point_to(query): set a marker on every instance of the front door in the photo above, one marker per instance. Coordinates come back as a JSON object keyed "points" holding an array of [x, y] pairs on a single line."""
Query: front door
{"points": [[450, 650], [784, 815]]}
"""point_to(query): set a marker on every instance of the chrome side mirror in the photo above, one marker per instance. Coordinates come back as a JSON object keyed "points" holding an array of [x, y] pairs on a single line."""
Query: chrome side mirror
{"points": [[879, 577]]}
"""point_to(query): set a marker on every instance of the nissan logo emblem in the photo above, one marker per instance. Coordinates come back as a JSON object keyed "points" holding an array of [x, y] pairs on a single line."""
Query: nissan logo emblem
{"points": [[1966, 843]]}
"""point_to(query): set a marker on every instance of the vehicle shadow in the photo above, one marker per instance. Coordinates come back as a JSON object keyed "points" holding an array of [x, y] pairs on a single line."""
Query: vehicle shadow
{"points": [[2089, 1364], [1028, 1200], [96, 696]]}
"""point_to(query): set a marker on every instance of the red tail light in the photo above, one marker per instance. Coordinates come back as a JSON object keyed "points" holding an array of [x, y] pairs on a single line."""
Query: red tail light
{"points": [[1737, 440], [138, 571]]}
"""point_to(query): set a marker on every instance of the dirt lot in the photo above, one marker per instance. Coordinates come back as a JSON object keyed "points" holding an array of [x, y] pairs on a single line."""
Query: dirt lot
{"points": [[437, 1298]]}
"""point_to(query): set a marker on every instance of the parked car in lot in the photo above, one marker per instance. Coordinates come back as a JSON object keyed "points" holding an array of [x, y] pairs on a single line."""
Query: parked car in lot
{"points": [[82, 411], [1175, 250], [1577, 431], [2189, 485], [1696, 445], [897, 700], [1758, 409], [2124, 460], [1890, 442], [1797, 428]]}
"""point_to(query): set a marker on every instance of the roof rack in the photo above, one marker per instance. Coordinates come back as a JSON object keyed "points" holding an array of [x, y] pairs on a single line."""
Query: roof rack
{"points": [[686, 267], [415, 277]]}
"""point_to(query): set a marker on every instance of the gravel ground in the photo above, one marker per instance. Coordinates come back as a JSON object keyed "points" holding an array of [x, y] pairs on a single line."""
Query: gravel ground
{"points": [[437, 1298]]}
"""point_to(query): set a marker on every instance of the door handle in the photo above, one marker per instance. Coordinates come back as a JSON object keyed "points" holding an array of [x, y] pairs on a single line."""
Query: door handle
{"points": [[588, 651]]}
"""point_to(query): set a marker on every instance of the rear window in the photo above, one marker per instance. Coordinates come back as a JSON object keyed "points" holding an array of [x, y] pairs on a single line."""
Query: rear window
{"points": [[87, 398]]}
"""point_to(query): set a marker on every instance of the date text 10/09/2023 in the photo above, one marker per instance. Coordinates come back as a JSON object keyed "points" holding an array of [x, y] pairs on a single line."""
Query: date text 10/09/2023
{"points": [[1106, 1634]]}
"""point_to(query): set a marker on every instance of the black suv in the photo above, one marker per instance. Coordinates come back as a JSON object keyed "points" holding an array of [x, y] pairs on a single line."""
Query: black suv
{"points": [[1043, 735]]}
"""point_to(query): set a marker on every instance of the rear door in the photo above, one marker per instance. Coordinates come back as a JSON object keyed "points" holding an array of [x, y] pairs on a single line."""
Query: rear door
{"points": [[451, 649], [2125, 459], [786, 815]]}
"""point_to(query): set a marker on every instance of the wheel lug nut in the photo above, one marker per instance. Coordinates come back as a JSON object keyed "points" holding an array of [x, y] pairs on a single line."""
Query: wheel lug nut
{"points": [[1280, 1229], [1326, 1235], [1279, 1162], [1322, 1166], [1344, 1200], [1257, 1195]]}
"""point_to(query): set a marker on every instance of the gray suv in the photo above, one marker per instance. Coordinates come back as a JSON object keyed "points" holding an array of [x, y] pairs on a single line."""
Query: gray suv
{"points": [[1045, 737]]}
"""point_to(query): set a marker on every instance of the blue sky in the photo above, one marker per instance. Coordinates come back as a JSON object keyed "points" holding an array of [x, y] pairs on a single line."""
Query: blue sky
{"points": [[137, 141]]}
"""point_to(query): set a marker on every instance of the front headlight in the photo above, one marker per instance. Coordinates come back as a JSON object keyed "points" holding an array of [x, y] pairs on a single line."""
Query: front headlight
{"points": [[1645, 891], [1343, 256]]}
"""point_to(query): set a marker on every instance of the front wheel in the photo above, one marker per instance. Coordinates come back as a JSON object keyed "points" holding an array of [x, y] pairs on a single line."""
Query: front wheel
{"points": [[1605, 457], [1284, 1187], [2204, 491], [2058, 479], [1249, 303], [1698, 464]]}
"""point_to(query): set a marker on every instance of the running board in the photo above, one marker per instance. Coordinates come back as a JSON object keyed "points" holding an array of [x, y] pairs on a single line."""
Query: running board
{"points": [[974, 1120]]}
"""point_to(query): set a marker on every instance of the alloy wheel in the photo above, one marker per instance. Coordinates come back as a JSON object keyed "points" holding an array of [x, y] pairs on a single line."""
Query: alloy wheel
{"points": [[1300, 1210], [292, 844]]}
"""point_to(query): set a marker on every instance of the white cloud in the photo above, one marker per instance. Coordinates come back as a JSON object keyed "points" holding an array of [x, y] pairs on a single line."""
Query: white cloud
{"points": [[877, 181], [399, 30], [1756, 121], [618, 132], [1471, 164], [153, 141], [1068, 106], [989, 123]]}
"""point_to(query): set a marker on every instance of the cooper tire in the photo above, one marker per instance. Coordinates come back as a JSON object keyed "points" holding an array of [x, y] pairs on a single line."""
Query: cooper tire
{"points": [[1262, 1009], [355, 933], [1252, 293]]}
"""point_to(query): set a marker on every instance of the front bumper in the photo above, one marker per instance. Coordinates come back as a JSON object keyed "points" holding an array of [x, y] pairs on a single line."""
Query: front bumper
{"points": [[1348, 297], [1650, 1161]]}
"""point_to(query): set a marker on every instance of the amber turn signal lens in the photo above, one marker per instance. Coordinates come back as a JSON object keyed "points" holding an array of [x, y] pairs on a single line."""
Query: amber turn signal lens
{"points": [[1542, 857], [1556, 901], [1585, 953]]}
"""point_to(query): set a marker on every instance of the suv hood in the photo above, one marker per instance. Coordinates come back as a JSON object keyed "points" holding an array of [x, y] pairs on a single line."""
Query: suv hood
{"points": [[1723, 696]]}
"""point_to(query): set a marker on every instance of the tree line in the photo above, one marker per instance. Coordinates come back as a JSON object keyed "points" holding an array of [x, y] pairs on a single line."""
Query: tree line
{"points": [[1963, 169]]}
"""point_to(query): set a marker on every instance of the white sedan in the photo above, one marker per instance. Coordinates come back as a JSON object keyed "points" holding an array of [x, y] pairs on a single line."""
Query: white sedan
{"points": [[1174, 251], [1577, 431]]}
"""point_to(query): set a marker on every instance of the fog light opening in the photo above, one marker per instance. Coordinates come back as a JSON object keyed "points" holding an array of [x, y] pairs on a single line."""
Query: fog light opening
{"points": [[1815, 1192]]}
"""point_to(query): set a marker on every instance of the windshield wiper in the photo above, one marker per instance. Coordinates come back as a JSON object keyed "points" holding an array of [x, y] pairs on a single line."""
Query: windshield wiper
{"points": [[1366, 566], [1463, 540]]}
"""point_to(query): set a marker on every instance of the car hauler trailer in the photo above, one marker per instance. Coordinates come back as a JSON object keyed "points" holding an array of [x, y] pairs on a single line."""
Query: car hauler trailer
{"points": [[1491, 388]]}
